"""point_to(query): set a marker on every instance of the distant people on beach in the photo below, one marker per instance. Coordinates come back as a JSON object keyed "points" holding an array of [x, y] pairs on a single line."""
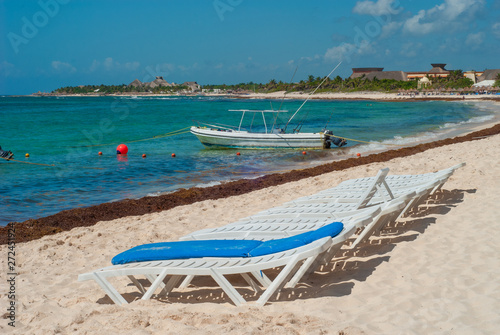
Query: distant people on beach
{"points": [[6, 154]]}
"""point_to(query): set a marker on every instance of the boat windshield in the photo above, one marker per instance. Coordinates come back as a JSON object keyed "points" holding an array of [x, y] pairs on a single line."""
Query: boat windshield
{"points": [[243, 111]]}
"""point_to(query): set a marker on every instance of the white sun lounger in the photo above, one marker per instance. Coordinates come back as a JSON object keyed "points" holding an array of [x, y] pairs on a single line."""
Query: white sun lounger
{"points": [[295, 262], [266, 229], [345, 204], [395, 181]]}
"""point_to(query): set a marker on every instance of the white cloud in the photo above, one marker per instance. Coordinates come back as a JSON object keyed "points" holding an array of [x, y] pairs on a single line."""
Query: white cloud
{"points": [[448, 16], [496, 29], [95, 65], [63, 67], [474, 40], [132, 65], [6, 69], [390, 28], [109, 64], [411, 49], [345, 51], [381, 7]]}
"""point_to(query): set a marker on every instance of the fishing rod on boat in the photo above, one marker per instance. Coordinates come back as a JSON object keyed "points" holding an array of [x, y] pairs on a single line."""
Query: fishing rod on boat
{"points": [[291, 80], [310, 94], [299, 125], [327, 122], [283, 99]]}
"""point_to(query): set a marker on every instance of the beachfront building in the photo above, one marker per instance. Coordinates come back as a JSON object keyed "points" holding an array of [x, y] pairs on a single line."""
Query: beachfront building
{"points": [[437, 70], [193, 86], [488, 75], [473, 75], [157, 82], [424, 82], [371, 73], [424, 77]]}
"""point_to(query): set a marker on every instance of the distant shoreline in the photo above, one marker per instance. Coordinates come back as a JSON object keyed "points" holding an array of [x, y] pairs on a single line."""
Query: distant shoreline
{"points": [[301, 96]]}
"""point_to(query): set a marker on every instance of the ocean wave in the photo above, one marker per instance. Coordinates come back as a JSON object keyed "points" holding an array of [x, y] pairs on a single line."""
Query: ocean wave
{"points": [[477, 119], [393, 143]]}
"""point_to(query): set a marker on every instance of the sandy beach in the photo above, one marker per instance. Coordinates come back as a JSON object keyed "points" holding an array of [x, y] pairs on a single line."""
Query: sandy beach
{"points": [[361, 95], [435, 273], [369, 95]]}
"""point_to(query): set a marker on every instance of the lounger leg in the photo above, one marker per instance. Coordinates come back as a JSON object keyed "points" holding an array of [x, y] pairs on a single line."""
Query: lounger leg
{"points": [[325, 259], [137, 284], [110, 290], [231, 292], [251, 282], [186, 282], [157, 282], [308, 264], [170, 285], [152, 278], [277, 282], [262, 278]]}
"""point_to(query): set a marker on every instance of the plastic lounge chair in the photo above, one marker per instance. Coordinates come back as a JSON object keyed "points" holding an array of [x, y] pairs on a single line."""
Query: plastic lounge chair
{"points": [[282, 215], [390, 212], [217, 258], [355, 192], [344, 202], [267, 229], [395, 181]]}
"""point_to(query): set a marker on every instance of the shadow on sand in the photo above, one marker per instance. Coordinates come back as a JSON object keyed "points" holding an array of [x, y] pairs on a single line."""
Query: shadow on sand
{"points": [[338, 277]]}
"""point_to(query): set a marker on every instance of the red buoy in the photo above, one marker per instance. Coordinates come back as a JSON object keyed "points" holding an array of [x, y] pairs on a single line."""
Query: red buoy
{"points": [[303, 152], [173, 155], [237, 154], [122, 149], [358, 154], [143, 155], [100, 153]]}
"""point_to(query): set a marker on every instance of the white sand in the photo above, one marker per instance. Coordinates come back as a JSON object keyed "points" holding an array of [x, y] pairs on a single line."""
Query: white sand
{"points": [[434, 274], [364, 95]]}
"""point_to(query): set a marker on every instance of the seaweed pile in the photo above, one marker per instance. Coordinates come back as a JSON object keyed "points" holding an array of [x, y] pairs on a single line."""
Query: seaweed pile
{"points": [[82, 217]]}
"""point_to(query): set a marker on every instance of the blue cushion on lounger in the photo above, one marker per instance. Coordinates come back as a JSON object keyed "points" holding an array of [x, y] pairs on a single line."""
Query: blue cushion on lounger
{"points": [[186, 249], [222, 248], [274, 246]]}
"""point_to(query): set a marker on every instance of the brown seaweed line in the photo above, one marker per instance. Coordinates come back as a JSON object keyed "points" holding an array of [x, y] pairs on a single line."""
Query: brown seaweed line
{"points": [[83, 217]]}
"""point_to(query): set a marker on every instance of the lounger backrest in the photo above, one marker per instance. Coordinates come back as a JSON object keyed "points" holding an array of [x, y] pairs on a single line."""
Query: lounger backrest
{"points": [[378, 185]]}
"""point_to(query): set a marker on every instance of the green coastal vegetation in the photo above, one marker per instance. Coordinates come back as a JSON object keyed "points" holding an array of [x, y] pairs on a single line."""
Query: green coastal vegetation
{"points": [[455, 81], [114, 89]]}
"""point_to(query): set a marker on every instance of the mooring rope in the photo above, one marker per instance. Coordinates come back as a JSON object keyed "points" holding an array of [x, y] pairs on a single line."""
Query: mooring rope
{"points": [[14, 160], [172, 133]]}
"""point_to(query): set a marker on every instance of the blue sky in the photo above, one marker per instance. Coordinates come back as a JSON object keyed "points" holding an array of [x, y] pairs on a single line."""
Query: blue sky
{"points": [[48, 44]]}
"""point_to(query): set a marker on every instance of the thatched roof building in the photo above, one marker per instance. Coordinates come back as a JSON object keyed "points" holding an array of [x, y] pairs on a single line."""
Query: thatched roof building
{"points": [[159, 81], [438, 68], [371, 73], [489, 75], [395, 75], [193, 85], [135, 83], [358, 72]]}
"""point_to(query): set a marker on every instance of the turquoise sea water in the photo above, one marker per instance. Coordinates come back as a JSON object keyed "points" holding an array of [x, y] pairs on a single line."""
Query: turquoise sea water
{"points": [[70, 131]]}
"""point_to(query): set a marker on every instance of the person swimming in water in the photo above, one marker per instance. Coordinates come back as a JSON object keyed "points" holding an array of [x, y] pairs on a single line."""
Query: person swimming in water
{"points": [[6, 154]]}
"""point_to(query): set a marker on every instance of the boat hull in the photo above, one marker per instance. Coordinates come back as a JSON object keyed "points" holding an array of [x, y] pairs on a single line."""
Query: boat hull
{"points": [[213, 138]]}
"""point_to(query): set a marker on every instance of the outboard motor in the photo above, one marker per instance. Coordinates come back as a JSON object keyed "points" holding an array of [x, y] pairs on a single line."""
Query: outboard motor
{"points": [[329, 139], [6, 154]]}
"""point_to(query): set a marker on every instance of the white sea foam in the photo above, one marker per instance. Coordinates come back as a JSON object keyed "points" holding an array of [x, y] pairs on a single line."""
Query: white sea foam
{"points": [[477, 119]]}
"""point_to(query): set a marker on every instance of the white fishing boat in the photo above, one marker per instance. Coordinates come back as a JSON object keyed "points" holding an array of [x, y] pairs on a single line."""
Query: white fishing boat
{"points": [[223, 136]]}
